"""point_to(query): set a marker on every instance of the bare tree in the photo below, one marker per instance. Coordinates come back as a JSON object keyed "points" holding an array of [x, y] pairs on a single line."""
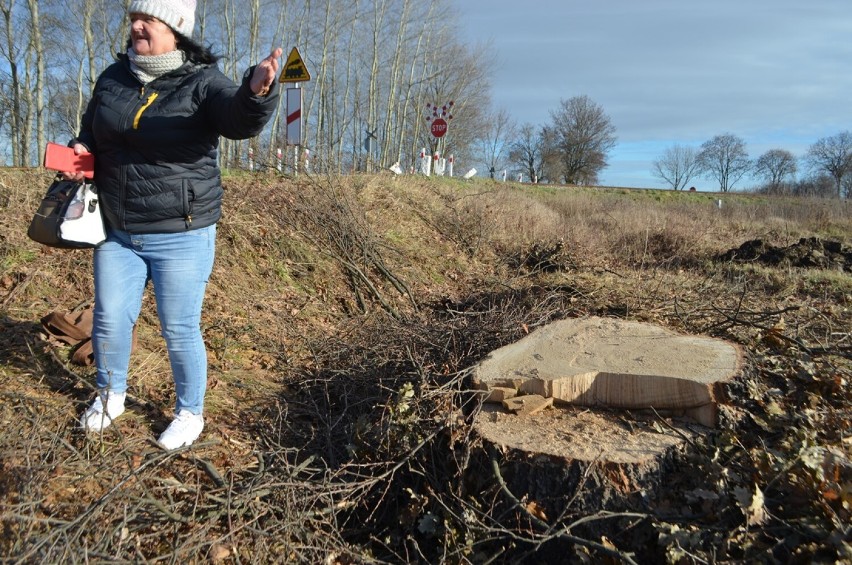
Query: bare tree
{"points": [[82, 66], [774, 167], [847, 186], [551, 161], [86, 13], [232, 14], [583, 136], [394, 81], [409, 120], [493, 146], [377, 34], [526, 152], [13, 59], [459, 76], [41, 79], [78, 41], [677, 166], [280, 19], [832, 155], [819, 185], [324, 89], [725, 159]]}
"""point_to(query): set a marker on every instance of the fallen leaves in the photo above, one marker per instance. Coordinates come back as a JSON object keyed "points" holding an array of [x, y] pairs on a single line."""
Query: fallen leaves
{"points": [[535, 509], [752, 504]]}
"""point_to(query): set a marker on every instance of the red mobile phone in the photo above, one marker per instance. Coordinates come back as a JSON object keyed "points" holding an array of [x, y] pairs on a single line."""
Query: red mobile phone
{"points": [[63, 159]]}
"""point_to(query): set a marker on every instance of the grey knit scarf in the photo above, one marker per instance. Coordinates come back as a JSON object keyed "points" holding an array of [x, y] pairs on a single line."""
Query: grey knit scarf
{"points": [[149, 67]]}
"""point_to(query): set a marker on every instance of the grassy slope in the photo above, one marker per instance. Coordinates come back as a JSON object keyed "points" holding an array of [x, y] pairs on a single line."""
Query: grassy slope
{"points": [[329, 295]]}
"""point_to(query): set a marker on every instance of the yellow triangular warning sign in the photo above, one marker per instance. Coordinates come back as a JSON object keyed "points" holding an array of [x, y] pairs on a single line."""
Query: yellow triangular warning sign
{"points": [[295, 69]]}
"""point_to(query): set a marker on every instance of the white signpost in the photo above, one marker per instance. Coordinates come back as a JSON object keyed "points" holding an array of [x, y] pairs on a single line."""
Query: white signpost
{"points": [[425, 162], [294, 71], [294, 116], [439, 165]]}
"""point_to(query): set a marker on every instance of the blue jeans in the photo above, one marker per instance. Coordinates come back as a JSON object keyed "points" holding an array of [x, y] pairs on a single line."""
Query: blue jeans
{"points": [[179, 265]]}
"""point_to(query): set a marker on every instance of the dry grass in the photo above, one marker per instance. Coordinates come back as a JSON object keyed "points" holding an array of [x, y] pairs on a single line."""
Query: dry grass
{"points": [[341, 320]]}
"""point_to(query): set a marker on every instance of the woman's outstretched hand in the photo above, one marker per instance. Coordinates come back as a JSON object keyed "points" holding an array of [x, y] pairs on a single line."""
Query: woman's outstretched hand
{"points": [[265, 72]]}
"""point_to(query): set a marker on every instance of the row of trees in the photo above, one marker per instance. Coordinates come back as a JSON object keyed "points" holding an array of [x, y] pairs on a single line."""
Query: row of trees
{"points": [[725, 159], [573, 148], [375, 66]]}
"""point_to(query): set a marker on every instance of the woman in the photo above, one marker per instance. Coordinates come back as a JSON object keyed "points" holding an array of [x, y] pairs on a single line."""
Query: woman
{"points": [[153, 124]]}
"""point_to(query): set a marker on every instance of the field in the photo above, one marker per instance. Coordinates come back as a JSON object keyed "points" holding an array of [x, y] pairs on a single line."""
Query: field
{"points": [[342, 319]]}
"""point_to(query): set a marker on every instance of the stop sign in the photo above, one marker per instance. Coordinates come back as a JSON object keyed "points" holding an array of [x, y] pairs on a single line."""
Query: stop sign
{"points": [[439, 127]]}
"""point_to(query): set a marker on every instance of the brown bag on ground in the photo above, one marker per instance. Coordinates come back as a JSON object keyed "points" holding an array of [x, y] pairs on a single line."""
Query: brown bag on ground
{"points": [[69, 327], [75, 328]]}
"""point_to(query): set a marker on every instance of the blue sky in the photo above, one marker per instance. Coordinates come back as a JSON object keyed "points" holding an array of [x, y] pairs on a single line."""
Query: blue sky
{"points": [[776, 73]]}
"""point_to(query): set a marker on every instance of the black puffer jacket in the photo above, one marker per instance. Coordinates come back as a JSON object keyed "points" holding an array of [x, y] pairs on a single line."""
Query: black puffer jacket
{"points": [[155, 146]]}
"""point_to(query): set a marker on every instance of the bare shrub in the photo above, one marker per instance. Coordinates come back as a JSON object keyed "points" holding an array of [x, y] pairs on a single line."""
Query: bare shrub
{"points": [[636, 233], [388, 410], [543, 257], [669, 240], [801, 216], [325, 211]]}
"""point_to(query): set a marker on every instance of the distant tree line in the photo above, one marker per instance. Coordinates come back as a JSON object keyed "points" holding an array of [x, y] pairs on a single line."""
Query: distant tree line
{"points": [[573, 148], [724, 158]]}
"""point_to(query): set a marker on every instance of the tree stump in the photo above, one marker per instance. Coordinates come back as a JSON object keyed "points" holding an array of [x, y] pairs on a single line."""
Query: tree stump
{"points": [[627, 399]]}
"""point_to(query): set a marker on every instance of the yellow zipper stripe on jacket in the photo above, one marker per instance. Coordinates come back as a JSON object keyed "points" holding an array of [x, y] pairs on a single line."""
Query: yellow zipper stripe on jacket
{"points": [[151, 98]]}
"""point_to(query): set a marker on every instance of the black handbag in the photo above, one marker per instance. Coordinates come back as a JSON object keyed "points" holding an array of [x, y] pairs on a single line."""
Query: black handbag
{"points": [[69, 216]]}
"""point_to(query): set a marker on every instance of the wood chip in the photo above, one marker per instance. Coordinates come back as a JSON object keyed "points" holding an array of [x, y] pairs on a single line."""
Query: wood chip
{"points": [[527, 405], [498, 394]]}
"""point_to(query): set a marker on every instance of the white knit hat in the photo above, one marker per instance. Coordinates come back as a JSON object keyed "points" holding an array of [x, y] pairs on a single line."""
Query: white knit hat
{"points": [[177, 14]]}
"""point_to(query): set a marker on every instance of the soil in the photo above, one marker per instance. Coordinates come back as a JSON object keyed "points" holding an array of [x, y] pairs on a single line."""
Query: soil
{"points": [[809, 252]]}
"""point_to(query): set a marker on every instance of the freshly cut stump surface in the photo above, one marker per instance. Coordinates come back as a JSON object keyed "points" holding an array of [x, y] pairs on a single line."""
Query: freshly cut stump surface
{"points": [[599, 443], [617, 364]]}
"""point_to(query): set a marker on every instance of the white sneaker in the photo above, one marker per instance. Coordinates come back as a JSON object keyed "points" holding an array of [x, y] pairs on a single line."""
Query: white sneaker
{"points": [[184, 429], [96, 418]]}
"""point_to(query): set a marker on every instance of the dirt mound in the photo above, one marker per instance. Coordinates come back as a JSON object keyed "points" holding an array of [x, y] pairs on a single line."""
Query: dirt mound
{"points": [[809, 253]]}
